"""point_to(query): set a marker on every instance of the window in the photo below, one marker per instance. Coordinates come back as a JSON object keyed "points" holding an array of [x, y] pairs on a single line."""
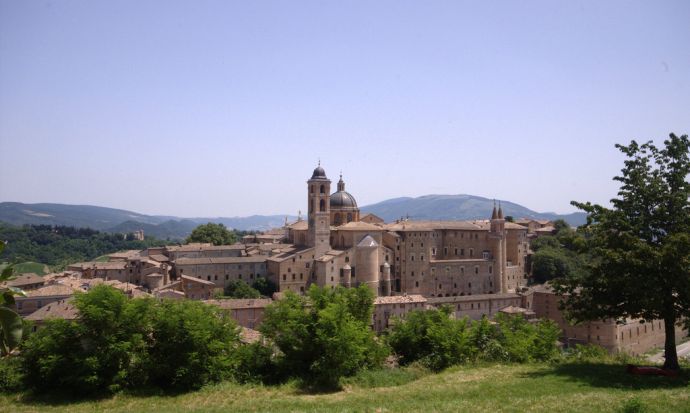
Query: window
{"points": [[322, 205], [321, 189], [491, 269], [284, 277], [421, 257], [412, 274], [456, 251], [471, 252]]}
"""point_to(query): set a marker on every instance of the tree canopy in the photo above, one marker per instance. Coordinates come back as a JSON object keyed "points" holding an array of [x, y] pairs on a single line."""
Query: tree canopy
{"points": [[216, 234], [325, 335], [641, 245]]}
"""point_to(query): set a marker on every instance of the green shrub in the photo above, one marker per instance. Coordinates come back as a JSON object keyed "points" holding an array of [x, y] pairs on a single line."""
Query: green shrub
{"points": [[587, 352], [240, 289], [433, 338], [254, 363], [129, 343], [11, 376], [325, 336]]}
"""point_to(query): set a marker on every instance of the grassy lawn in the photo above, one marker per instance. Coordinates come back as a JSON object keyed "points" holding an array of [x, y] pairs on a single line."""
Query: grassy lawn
{"points": [[24, 267], [581, 387]]}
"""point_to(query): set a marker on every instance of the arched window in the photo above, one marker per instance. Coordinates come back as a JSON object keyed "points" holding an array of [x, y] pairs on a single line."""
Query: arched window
{"points": [[338, 219], [311, 189], [322, 204], [311, 206], [349, 217], [321, 190]]}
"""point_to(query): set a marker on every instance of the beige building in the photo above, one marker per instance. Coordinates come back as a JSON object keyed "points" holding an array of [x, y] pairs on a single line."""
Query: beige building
{"points": [[247, 312], [42, 296], [388, 309], [477, 306], [630, 336], [430, 258]]}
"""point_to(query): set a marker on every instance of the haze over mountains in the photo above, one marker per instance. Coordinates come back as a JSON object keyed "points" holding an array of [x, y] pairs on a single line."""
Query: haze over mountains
{"points": [[428, 207]]}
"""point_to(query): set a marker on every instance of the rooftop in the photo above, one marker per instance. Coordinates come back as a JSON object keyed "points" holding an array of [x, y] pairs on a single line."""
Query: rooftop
{"points": [[400, 299], [220, 260]]}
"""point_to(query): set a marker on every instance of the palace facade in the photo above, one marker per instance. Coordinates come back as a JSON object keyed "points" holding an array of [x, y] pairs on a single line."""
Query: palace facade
{"points": [[432, 258]]}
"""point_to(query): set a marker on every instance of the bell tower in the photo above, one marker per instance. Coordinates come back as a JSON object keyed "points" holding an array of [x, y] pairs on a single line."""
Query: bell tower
{"points": [[497, 237], [319, 204]]}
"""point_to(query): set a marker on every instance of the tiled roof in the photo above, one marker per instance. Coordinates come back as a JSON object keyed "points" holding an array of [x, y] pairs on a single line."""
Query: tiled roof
{"points": [[51, 290], [236, 304], [358, 226], [400, 299], [197, 280], [64, 309], [220, 260], [159, 257], [299, 225], [467, 298], [28, 278]]}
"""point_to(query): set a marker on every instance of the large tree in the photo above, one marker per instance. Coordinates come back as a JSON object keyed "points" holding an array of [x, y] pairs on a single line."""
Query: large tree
{"points": [[640, 247], [216, 234]]}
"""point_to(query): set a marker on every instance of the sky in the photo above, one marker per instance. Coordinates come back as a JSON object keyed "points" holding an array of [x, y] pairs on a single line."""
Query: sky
{"points": [[224, 108]]}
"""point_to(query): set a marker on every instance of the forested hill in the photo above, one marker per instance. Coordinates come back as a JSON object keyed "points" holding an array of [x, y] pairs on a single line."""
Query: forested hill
{"points": [[58, 246], [458, 207], [123, 221]]}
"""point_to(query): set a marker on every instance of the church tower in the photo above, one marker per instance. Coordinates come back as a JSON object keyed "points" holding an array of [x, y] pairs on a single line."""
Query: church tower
{"points": [[497, 237], [319, 198]]}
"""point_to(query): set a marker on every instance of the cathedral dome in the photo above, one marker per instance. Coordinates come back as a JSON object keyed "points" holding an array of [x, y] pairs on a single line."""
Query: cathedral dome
{"points": [[343, 199]]}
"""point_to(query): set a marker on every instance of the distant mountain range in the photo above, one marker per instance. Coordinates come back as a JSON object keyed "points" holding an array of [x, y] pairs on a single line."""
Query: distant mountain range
{"points": [[428, 207], [119, 220]]}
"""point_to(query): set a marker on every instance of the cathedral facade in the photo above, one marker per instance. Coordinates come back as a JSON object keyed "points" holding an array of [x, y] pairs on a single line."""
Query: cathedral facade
{"points": [[433, 258]]}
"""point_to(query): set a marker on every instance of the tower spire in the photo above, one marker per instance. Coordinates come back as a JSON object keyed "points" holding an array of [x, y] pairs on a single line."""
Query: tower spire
{"points": [[500, 210], [494, 214]]}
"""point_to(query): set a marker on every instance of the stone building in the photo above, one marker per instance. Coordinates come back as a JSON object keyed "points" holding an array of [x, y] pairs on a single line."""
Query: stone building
{"points": [[388, 309], [629, 336], [431, 258], [479, 305]]}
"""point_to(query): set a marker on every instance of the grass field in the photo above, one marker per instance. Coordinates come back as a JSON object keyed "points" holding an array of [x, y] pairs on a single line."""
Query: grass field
{"points": [[24, 267], [580, 387]]}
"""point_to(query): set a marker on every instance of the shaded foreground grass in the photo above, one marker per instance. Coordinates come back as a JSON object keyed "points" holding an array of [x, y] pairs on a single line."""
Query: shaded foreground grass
{"points": [[580, 387]]}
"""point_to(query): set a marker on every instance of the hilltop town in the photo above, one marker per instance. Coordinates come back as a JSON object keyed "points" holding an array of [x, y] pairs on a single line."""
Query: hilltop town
{"points": [[479, 268]]}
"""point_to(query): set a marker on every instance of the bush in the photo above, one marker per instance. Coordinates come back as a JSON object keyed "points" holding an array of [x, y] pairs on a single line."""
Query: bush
{"points": [[11, 376], [254, 363], [587, 352], [240, 289], [191, 344], [122, 343], [324, 337], [265, 286], [433, 338], [436, 340]]}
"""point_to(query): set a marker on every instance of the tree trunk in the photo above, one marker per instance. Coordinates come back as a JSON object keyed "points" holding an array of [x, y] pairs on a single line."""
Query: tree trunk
{"points": [[670, 353]]}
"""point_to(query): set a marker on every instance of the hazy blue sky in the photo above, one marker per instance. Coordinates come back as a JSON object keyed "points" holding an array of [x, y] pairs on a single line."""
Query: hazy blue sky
{"points": [[203, 108]]}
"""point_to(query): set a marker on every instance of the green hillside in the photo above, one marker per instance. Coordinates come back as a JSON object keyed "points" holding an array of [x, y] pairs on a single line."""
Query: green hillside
{"points": [[576, 387], [29, 266]]}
